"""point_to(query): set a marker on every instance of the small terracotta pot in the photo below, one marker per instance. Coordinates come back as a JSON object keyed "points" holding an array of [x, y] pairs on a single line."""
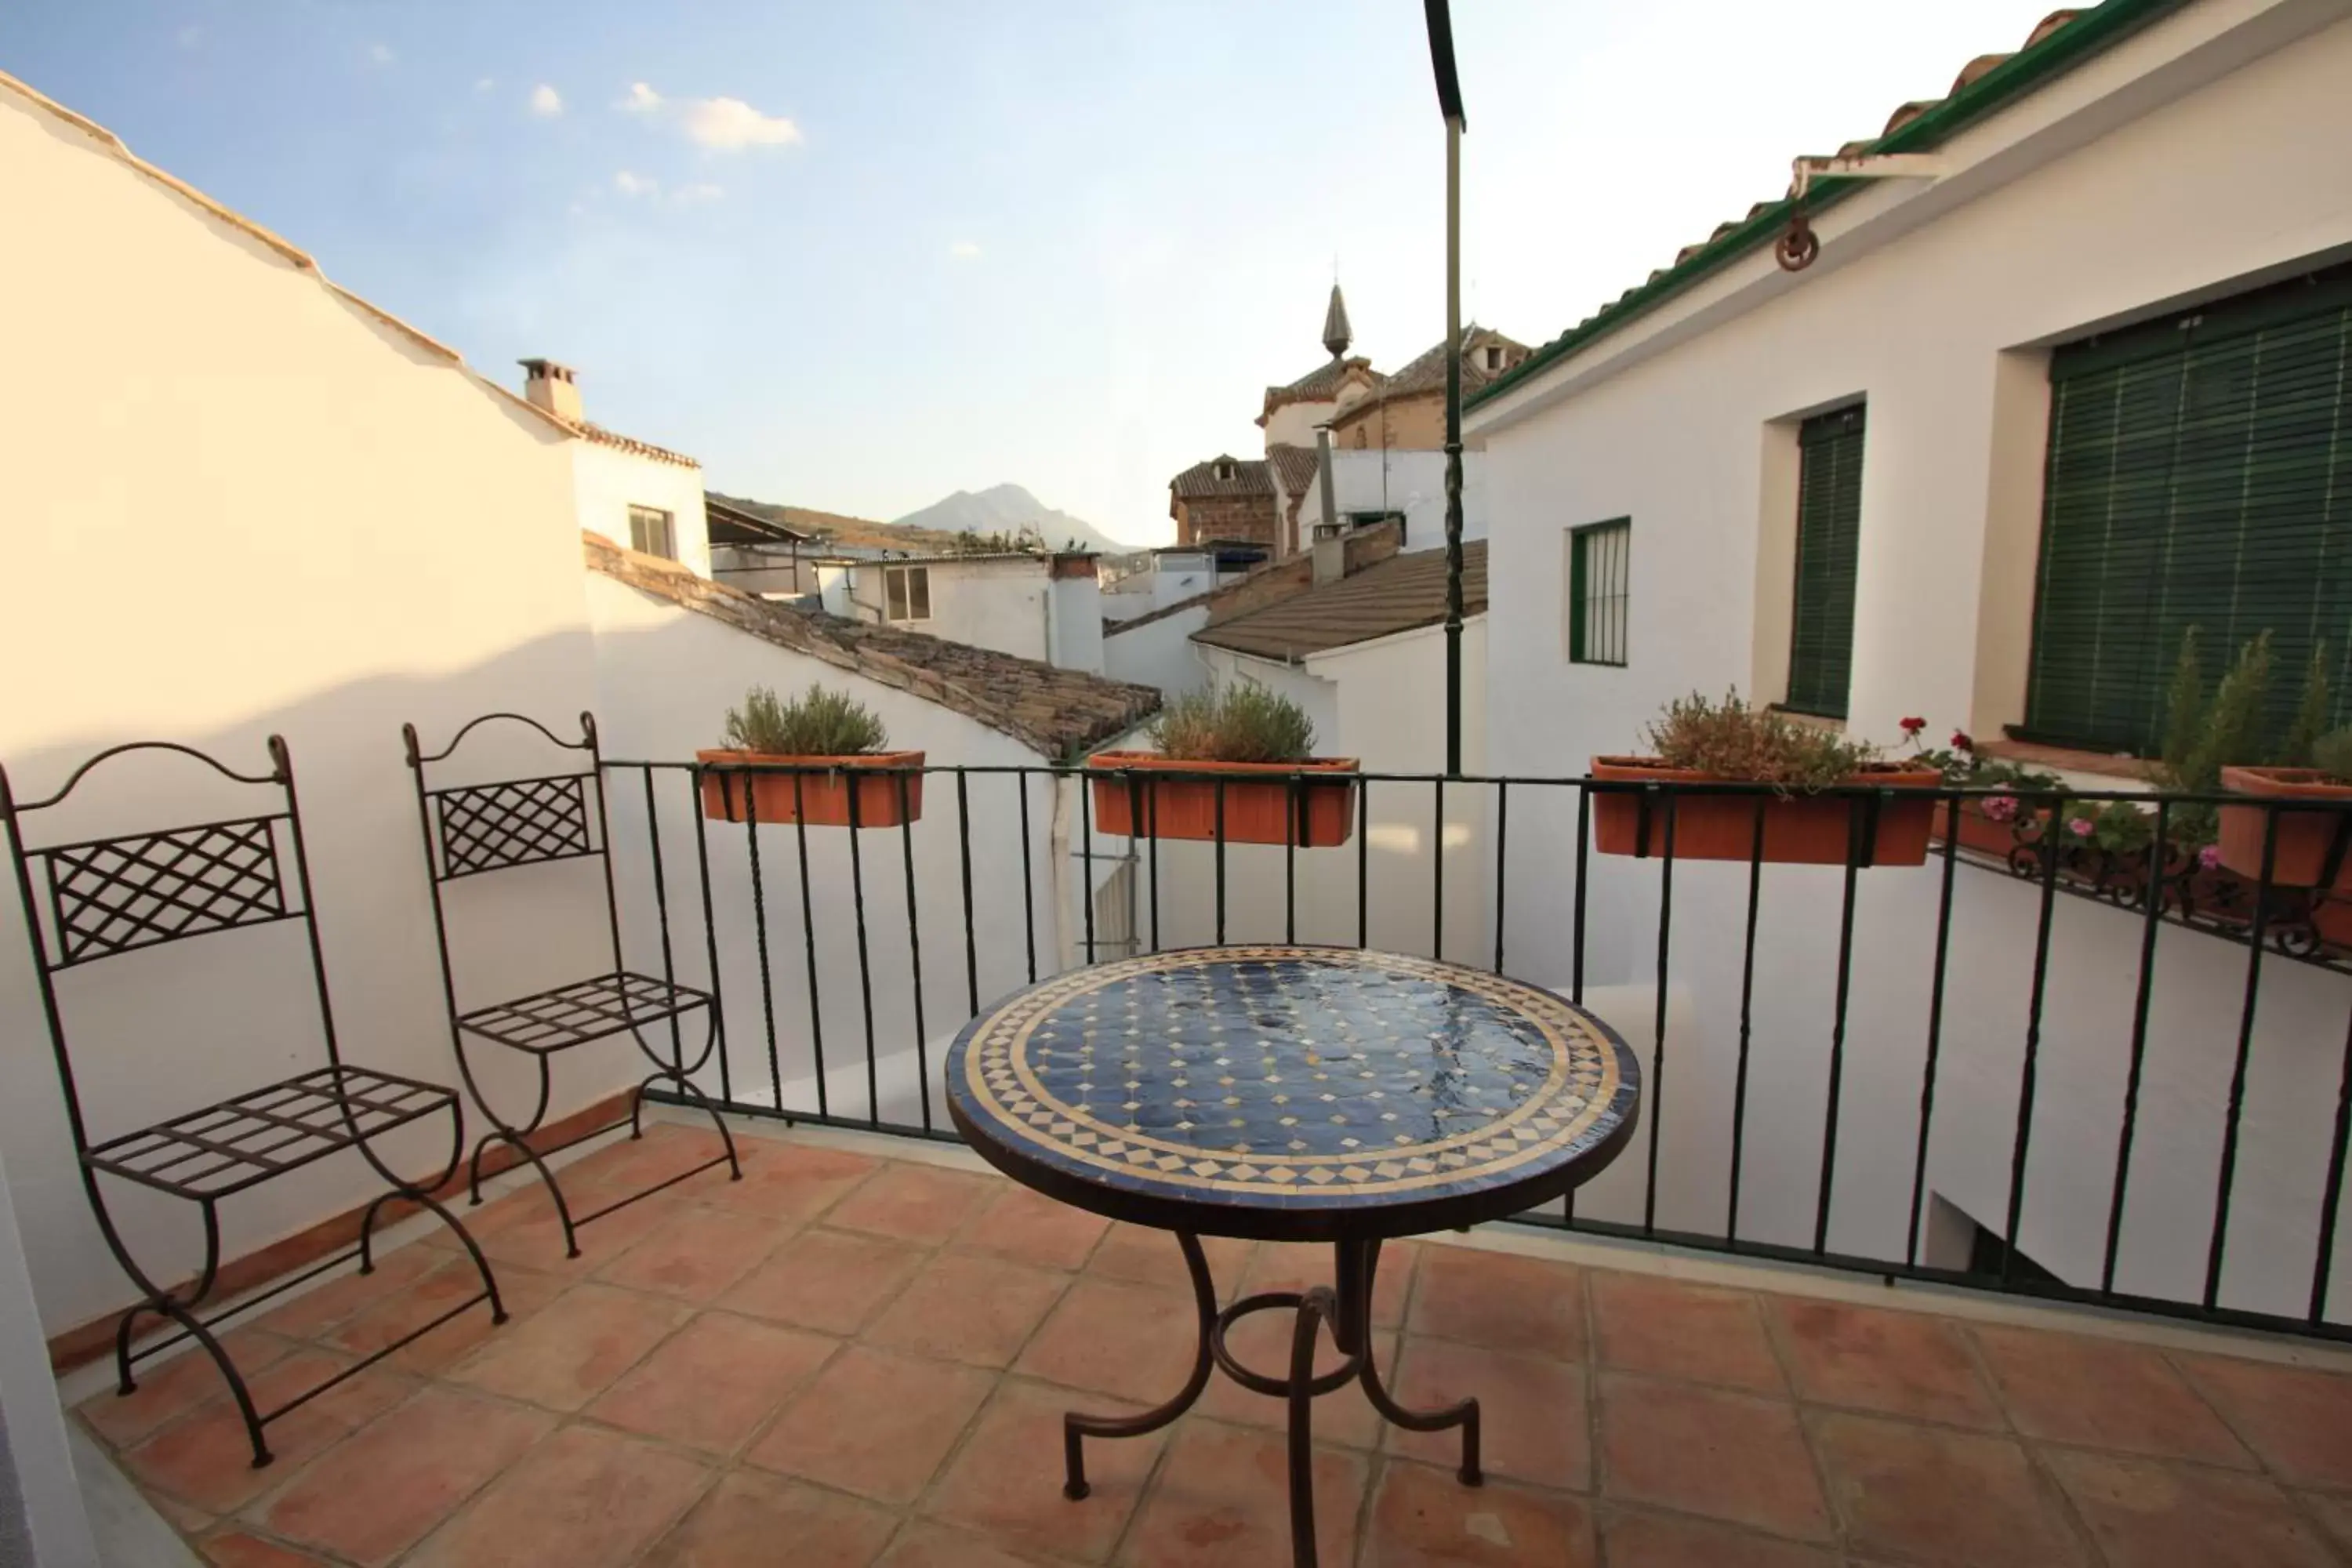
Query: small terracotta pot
{"points": [[820, 799], [1798, 829], [1258, 798], [2299, 853]]}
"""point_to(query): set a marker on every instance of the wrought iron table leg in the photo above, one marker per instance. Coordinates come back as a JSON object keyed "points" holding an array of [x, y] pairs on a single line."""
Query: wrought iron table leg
{"points": [[1316, 1307], [1076, 1427], [1365, 1260]]}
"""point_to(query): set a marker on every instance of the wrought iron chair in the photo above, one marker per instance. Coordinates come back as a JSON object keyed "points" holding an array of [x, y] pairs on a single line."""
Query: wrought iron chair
{"points": [[471, 830], [94, 900]]}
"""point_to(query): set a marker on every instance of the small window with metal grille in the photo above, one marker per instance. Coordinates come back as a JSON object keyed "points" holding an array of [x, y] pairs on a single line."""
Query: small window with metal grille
{"points": [[1599, 590], [653, 531]]}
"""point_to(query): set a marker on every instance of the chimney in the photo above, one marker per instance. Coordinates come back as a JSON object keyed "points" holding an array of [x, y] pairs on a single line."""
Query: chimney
{"points": [[550, 386]]}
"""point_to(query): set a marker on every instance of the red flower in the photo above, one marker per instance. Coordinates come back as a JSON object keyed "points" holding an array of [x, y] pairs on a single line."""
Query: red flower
{"points": [[1913, 726], [1960, 742]]}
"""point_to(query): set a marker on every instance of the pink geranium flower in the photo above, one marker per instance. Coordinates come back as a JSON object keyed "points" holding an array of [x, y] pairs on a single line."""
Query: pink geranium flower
{"points": [[2000, 808], [2209, 857], [2080, 826]]}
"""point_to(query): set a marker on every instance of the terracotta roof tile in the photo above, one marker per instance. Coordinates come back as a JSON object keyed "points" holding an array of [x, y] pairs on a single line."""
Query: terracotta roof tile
{"points": [[1293, 466], [1249, 477], [1397, 595], [1055, 712], [631, 445]]}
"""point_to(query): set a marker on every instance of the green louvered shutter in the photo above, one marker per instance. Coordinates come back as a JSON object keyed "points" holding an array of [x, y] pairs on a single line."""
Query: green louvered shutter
{"points": [[2199, 474], [1829, 534]]}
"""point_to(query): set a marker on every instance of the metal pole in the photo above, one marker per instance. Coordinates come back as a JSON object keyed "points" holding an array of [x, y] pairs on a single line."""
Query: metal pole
{"points": [[1449, 103]]}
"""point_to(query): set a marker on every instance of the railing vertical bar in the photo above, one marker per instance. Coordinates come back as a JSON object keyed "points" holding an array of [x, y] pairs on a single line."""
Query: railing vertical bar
{"points": [[915, 953], [661, 912], [1860, 840], [1221, 860], [1502, 860], [2138, 1046], [2245, 1054], [1583, 852], [1028, 875], [1746, 1019], [865, 961], [808, 934], [2030, 1072], [963, 850], [1438, 869], [1134, 815], [2331, 1203], [1657, 1085], [760, 936], [711, 930], [1935, 1035], [1086, 860], [1364, 866], [1290, 860]]}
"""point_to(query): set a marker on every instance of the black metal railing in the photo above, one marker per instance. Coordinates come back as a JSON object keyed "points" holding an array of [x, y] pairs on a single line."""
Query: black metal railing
{"points": [[2037, 1066]]}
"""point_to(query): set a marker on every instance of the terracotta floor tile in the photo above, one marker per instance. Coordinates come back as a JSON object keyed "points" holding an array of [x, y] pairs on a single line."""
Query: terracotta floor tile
{"points": [[170, 1389], [1124, 1339], [1661, 1540], [696, 1256], [2298, 1420], [921, 1545], [2144, 1514], [831, 1281], [1295, 1266], [205, 1459], [753, 1521], [1945, 1497], [535, 1240], [1139, 1255], [574, 1348], [793, 1183], [1223, 1497], [237, 1548], [2335, 1516], [1533, 1420], [392, 1484], [874, 1424], [1261, 1342], [188, 1519], [979, 1311], [1023, 1227], [1006, 1481], [307, 1315], [1897, 1363], [583, 1499], [522, 1291], [631, 1165], [1422, 1516], [1500, 1299], [711, 1385], [1665, 1327], [2102, 1393], [1700, 1450], [914, 1203]]}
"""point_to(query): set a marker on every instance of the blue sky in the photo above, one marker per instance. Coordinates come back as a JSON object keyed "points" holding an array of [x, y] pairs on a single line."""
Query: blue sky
{"points": [[855, 257]]}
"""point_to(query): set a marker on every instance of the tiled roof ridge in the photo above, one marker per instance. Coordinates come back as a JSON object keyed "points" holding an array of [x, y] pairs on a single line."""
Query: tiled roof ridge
{"points": [[301, 260], [1743, 233], [631, 445], [1063, 711], [1285, 627]]}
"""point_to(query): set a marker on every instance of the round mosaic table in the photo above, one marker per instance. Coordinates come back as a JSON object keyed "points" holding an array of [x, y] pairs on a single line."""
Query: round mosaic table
{"points": [[1282, 1094]]}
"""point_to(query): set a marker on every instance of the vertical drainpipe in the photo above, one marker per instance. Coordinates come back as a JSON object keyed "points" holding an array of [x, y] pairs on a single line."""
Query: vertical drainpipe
{"points": [[1449, 103]]}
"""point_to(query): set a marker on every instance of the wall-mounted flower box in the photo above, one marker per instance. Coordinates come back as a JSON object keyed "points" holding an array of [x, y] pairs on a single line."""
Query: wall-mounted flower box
{"points": [[1798, 829], [1310, 803], [881, 782]]}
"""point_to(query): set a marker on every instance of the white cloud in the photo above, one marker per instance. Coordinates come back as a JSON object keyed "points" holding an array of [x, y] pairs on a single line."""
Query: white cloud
{"points": [[484, 83], [642, 100], [730, 125], [545, 100], [964, 249], [381, 54], [630, 184], [689, 196]]}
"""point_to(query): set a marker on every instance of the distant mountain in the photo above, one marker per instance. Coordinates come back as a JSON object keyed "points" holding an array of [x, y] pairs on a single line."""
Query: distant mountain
{"points": [[843, 530], [1007, 508]]}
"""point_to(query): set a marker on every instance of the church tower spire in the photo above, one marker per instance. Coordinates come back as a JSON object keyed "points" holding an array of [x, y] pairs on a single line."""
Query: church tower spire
{"points": [[1336, 335]]}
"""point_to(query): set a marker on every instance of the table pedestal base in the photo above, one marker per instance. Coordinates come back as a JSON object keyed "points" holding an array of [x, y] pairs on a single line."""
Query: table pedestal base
{"points": [[1347, 1310]]}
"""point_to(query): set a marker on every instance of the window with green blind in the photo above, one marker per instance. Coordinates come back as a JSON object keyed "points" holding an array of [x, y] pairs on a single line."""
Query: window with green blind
{"points": [[1829, 535], [2199, 474], [1599, 590]]}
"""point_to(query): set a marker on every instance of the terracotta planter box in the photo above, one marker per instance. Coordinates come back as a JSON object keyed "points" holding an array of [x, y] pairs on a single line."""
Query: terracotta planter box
{"points": [[824, 798], [1257, 799], [1798, 829], [1978, 832], [2299, 853]]}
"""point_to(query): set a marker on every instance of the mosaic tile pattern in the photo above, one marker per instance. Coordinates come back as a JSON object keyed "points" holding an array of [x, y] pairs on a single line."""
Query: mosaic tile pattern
{"points": [[1292, 1076]]}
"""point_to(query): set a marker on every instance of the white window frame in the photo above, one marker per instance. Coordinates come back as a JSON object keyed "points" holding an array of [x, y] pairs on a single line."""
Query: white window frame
{"points": [[902, 587], [644, 523]]}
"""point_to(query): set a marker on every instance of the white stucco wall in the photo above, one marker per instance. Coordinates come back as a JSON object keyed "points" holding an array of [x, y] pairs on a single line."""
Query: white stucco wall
{"points": [[172, 379], [1412, 482], [1160, 652], [1935, 303], [666, 678], [609, 481], [1003, 604], [1078, 624], [1170, 578]]}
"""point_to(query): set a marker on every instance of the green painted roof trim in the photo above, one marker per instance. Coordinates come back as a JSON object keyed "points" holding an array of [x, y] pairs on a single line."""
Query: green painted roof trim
{"points": [[2078, 40]]}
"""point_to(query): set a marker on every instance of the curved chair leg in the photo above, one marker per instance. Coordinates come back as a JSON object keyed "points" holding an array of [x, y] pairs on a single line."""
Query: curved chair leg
{"points": [[562, 1209], [238, 1391], [481, 1264], [1075, 1427], [163, 1304], [687, 1086]]}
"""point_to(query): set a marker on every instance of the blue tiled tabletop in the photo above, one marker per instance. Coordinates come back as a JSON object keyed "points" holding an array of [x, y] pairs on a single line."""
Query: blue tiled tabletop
{"points": [[1292, 1079]]}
